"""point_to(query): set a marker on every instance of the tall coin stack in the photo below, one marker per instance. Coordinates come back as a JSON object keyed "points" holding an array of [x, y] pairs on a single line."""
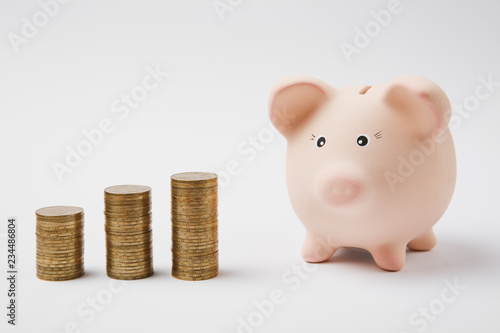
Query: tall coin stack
{"points": [[194, 226], [129, 250], [59, 243]]}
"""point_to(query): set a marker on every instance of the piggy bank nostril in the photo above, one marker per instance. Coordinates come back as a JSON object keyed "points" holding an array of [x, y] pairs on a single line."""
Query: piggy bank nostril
{"points": [[339, 192]]}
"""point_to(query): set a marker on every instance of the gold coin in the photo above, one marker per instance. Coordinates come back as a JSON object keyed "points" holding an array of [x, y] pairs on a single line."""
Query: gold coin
{"points": [[134, 242], [190, 265], [132, 235], [59, 250], [54, 227], [116, 227], [201, 271], [58, 254], [60, 245], [131, 223], [136, 256], [195, 274], [57, 245], [129, 245], [194, 252], [123, 232], [129, 260], [185, 265], [194, 278], [129, 239], [49, 232], [130, 276], [59, 261], [133, 200], [59, 270], [129, 271], [179, 245], [122, 267], [129, 248], [128, 214], [195, 240], [52, 277], [185, 223], [194, 212], [182, 217], [191, 210], [194, 232], [127, 190], [196, 257], [194, 194], [144, 196], [114, 207], [134, 266], [66, 278], [200, 197], [64, 256], [195, 270], [56, 236], [194, 177], [59, 228], [189, 262], [59, 211], [60, 240], [43, 231], [195, 222]]}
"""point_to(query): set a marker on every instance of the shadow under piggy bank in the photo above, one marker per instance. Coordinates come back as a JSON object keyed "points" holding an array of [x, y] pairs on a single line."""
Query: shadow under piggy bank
{"points": [[447, 255]]}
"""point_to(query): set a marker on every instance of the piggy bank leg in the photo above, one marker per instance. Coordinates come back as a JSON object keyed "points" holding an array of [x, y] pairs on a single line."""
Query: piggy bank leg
{"points": [[390, 257], [316, 249], [424, 242]]}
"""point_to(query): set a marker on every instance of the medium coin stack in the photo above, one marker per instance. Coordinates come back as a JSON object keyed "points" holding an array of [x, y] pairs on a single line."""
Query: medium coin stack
{"points": [[129, 250], [194, 226], [59, 243]]}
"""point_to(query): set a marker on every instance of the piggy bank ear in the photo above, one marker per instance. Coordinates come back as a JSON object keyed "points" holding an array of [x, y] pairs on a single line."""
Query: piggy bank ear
{"points": [[422, 101], [294, 99]]}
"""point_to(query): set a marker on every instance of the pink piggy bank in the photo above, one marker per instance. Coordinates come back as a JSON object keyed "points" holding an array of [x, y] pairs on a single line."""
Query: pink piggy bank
{"points": [[370, 167]]}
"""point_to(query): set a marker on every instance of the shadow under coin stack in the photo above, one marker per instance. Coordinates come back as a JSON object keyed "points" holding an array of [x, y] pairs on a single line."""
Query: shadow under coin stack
{"points": [[194, 226], [129, 252], [59, 243]]}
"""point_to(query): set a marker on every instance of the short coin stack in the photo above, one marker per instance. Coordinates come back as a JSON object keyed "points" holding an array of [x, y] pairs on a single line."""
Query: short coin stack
{"points": [[129, 250], [194, 226], [59, 243]]}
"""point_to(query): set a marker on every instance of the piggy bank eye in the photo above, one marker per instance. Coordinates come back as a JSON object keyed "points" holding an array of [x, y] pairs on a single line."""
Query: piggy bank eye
{"points": [[363, 140], [321, 141]]}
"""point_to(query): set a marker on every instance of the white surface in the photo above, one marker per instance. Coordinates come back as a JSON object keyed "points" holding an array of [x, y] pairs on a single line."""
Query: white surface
{"points": [[64, 80]]}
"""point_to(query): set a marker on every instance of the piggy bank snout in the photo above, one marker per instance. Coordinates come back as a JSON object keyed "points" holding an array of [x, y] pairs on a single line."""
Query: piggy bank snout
{"points": [[340, 191]]}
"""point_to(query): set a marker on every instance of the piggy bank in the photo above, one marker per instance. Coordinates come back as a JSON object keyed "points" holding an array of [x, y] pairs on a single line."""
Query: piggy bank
{"points": [[370, 167]]}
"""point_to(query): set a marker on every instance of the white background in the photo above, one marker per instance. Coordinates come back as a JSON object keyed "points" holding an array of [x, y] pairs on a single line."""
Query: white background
{"points": [[64, 80]]}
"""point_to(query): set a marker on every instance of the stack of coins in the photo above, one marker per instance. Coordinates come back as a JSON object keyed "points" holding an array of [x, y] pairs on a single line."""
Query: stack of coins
{"points": [[129, 250], [59, 243], [194, 226]]}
